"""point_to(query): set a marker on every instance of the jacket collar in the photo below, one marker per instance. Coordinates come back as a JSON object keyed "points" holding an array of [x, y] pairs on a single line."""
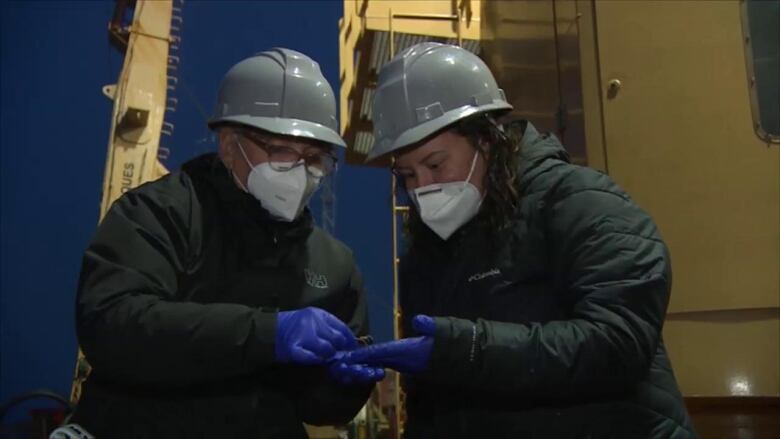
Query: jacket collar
{"points": [[535, 148], [243, 209]]}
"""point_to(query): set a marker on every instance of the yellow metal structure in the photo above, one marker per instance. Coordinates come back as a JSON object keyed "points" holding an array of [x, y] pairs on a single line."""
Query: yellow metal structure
{"points": [[669, 117], [140, 103], [680, 138], [532, 49], [658, 95], [370, 33]]}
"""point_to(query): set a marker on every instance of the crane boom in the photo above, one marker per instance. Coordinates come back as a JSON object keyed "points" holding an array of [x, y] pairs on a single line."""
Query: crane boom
{"points": [[140, 103]]}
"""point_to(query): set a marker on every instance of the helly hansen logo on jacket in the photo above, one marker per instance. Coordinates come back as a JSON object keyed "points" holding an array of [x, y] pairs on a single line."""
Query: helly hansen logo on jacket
{"points": [[480, 276], [315, 280]]}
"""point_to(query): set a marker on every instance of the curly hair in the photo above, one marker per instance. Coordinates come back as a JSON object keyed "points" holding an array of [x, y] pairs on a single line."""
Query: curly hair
{"points": [[500, 148]]}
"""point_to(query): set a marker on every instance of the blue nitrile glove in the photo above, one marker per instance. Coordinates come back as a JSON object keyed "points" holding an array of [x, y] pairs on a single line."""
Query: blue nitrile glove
{"points": [[347, 374], [424, 325], [310, 336], [408, 355]]}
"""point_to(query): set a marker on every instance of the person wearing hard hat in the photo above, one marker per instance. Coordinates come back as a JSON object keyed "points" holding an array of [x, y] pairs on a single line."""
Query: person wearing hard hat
{"points": [[209, 304], [533, 291]]}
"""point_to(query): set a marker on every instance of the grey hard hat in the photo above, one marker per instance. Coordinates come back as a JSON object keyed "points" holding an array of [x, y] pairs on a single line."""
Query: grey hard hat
{"points": [[426, 88], [281, 91]]}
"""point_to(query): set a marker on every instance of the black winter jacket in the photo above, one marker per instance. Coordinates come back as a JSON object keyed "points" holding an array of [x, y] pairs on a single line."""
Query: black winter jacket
{"points": [[553, 328], [176, 313]]}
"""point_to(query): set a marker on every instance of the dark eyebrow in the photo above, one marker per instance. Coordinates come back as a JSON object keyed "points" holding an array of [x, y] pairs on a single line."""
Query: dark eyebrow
{"points": [[425, 159], [307, 146], [396, 169], [255, 138], [319, 148], [429, 156]]}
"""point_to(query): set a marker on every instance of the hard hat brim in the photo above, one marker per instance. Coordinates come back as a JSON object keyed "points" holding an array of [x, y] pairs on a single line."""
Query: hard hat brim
{"points": [[286, 127], [420, 132]]}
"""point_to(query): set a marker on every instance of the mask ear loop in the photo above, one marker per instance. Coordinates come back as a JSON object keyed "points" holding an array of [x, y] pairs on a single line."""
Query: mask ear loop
{"points": [[468, 180], [473, 166], [499, 128], [246, 159]]}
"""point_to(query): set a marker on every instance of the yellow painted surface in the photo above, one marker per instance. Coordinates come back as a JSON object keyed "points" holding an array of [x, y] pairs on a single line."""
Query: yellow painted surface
{"points": [[137, 119], [677, 135], [725, 352], [679, 138], [591, 86], [520, 50], [139, 103], [377, 12], [351, 28], [363, 18], [322, 432], [532, 49]]}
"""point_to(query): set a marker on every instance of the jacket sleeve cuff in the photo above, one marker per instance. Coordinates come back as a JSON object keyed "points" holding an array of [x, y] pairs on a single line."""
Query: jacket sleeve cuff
{"points": [[455, 348], [261, 343]]}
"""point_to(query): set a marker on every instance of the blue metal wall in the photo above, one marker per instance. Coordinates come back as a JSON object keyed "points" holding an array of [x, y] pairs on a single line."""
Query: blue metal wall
{"points": [[54, 127]]}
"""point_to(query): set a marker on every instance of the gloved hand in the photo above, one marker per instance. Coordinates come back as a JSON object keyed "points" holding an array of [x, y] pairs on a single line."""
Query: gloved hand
{"points": [[347, 374], [408, 355], [310, 336]]}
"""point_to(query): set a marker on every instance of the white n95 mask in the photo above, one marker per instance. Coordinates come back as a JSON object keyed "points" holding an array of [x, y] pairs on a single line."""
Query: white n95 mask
{"points": [[283, 194], [445, 207]]}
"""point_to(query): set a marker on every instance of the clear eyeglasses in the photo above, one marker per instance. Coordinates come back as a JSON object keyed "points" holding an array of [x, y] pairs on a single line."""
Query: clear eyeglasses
{"points": [[319, 163]]}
